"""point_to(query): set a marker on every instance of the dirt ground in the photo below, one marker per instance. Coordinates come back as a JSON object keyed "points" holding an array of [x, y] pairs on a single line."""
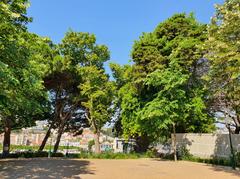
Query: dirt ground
{"points": [[111, 169]]}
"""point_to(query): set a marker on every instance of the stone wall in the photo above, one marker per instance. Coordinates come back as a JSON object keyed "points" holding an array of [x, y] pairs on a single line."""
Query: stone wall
{"points": [[208, 145]]}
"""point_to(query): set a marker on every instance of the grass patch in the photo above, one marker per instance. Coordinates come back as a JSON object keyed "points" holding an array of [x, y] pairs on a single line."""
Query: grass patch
{"points": [[35, 148], [82, 155], [107, 155]]}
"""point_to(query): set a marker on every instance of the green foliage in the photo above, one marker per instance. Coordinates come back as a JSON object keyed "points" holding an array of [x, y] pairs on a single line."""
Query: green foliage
{"points": [[213, 161], [98, 92], [90, 144], [184, 154], [71, 63], [15, 148], [222, 50], [107, 155], [152, 153], [238, 158], [30, 154], [20, 71], [164, 86]]}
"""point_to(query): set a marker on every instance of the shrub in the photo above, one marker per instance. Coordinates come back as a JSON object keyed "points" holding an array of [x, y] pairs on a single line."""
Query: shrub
{"points": [[152, 153], [106, 155], [168, 156], [57, 154], [13, 155], [238, 159], [30, 154], [15, 148], [184, 154], [214, 161], [41, 154], [91, 143]]}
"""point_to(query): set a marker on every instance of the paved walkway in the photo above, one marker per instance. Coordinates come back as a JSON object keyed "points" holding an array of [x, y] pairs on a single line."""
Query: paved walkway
{"points": [[111, 169]]}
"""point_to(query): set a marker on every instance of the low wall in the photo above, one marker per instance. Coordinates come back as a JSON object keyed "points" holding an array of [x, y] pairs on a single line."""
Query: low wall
{"points": [[208, 145]]}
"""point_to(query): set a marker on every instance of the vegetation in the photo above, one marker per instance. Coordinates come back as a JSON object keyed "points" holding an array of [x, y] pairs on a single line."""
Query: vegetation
{"points": [[222, 50], [15, 148], [98, 92], [107, 155], [20, 71], [91, 143], [182, 75], [184, 154], [163, 89], [69, 67], [82, 155], [31, 154]]}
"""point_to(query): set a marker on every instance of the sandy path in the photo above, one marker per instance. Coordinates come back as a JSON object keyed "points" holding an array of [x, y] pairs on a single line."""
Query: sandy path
{"points": [[111, 169]]}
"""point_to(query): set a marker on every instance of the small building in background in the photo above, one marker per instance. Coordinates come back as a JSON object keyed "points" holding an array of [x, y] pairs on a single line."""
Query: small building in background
{"points": [[123, 146]]}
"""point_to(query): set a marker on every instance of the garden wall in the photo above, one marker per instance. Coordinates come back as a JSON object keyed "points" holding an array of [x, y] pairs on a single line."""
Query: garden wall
{"points": [[208, 145]]}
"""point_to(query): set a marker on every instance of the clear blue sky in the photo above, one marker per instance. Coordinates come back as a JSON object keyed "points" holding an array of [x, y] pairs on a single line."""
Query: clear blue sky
{"points": [[116, 23]]}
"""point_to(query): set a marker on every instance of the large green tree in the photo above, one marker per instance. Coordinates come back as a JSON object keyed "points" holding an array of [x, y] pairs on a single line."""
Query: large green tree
{"points": [[123, 76], [22, 96], [166, 86], [77, 50], [98, 92], [223, 51]]}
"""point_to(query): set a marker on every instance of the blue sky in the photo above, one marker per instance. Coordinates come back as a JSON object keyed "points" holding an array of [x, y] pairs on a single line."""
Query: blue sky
{"points": [[116, 23]]}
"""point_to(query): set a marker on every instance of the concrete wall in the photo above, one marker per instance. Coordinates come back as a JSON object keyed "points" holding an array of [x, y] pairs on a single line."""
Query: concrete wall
{"points": [[208, 145]]}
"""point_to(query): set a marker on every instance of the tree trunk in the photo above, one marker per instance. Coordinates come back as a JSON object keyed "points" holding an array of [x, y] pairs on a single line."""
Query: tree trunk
{"points": [[237, 130], [6, 140], [60, 132], [46, 137], [142, 143], [174, 143], [97, 143]]}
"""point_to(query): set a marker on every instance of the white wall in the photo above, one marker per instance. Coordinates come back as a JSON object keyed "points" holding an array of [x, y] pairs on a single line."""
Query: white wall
{"points": [[208, 145]]}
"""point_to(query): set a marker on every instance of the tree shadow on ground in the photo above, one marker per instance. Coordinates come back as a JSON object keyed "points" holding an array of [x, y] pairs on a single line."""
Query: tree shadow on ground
{"points": [[225, 169], [216, 168], [43, 168]]}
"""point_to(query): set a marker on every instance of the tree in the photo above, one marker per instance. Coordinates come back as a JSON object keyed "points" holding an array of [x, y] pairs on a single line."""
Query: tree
{"points": [[19, 54], [170, 106], [123, 76], [98, 92], [78, 50], [222, 50], [166, 86]]}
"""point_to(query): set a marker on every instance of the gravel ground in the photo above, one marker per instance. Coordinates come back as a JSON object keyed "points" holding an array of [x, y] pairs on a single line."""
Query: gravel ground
{"points": [[111, 169]]}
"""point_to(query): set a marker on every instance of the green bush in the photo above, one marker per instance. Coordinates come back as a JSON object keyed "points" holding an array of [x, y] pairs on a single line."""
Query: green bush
{"points": [[214, 161], [151, 153], [13, 155], [91, 143], [35, 148], [106, 155], [58, 154], [184, 154], [168, 156], [238, 159], [30, 154], [40, 154]]}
